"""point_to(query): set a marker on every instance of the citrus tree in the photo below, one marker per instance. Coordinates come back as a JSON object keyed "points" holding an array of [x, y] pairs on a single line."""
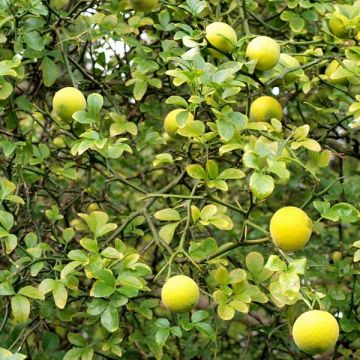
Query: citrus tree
{"points": [[179, 179]]}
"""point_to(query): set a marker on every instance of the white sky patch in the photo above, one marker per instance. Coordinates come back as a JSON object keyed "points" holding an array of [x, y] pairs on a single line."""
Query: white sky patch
{"points": [[275, 91]]}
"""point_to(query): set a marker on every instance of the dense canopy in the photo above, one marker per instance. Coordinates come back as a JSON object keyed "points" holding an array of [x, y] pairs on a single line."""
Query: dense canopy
{"points": [[143, 140]]}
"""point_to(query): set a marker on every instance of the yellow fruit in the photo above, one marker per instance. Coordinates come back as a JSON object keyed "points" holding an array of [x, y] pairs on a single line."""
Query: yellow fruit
{"points": [[93, 207], [357, 37], [315, 332], [332, 67], [290, 228], [221, 36], [59, 142], [265, 108], [337, 25], [141, 5], [336, 256], [170, 125], [180, 294], [68, 101], [265, 50]]}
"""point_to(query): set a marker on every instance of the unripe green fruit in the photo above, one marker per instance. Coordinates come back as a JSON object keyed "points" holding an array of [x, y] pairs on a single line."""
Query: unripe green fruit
{"points": [[265, 108], [143, 5], [68, 101], [59, 142], [222, 37], [336, 256], [93, 207], [265, 51]]}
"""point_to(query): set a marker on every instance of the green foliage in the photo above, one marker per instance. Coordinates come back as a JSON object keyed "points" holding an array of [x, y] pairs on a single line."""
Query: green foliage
{"points": [[97, 212]]}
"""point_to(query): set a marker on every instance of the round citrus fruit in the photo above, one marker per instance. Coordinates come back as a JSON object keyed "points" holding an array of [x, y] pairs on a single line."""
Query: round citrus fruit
{"points": [[68, 101], [143, 5], [170, 124], [265, 108], [290, 228], [315, 332], [265, 51], [221, 36], [332, 67], [336, 255], [59, 142], [180, 294]]}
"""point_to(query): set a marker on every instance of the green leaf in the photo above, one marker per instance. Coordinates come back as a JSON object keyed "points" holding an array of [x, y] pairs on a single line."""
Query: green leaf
{"points": [[290, 284], [76, 339], [68, 234], [167, 215], [212, 169], [6, 289], [112, 253], [225, 312], [110, 319], [237, 275], [20, 307], [161, 336], [140, 90], [344, 212], [207, 212], [194, 128], [162, 323], [298, 266], [8, 355], [176, 331], [31, 292], [6, 220], [10, 243], [73, 354], [254, 262], [102, 289], [297, 23], [69, 268], [274, 263], [261, 185], [60, 294], [198, 316], [94, 104], [90, 245], [50, 71], [78, 255], [98, 224], [34, 40], [6, 89], [196, 172], [47, 285], [206, 329], [222, 276], [231, 174], [167, 232], [239, 306]]}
